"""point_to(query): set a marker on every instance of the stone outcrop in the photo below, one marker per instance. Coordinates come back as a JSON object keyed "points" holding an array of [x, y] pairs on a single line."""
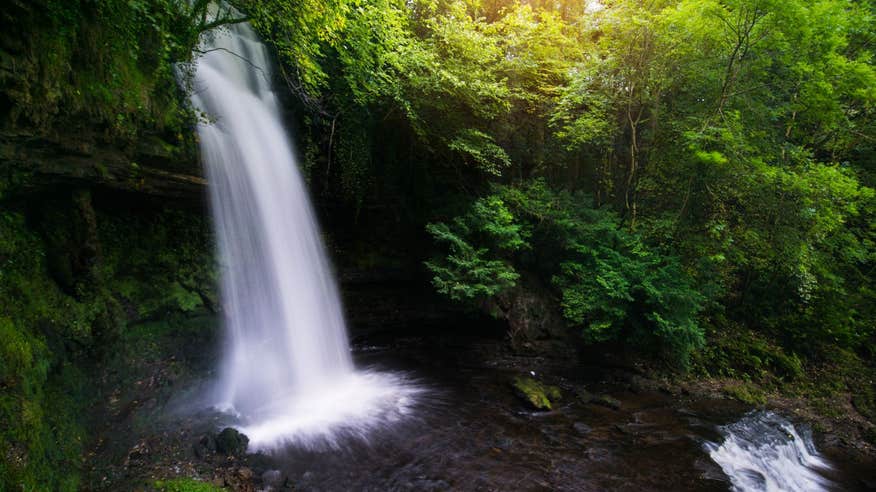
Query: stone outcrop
{"points": [[34, 164]]}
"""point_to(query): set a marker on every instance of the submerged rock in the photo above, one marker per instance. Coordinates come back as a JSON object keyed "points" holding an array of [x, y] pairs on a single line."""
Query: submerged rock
{"points": [[607, 401], [538, 395], [581, 428], [272, 479], [231, 442], [583, 395]]}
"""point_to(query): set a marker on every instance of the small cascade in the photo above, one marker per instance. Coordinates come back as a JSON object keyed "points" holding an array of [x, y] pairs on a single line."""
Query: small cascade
{"points": [[765, 452]]}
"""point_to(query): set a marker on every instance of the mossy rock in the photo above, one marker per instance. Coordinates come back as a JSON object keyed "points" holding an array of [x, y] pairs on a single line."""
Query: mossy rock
{"points": [[746, 393], [186, 485], [538, 395], [607, 401], [231, 442]]}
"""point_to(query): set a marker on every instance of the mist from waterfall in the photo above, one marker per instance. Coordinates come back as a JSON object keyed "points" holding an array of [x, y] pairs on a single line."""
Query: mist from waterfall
{"points": [[287, 373]]}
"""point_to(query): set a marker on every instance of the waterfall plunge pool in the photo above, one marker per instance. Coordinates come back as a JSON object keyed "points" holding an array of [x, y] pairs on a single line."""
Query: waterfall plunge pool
{"points": [[467, 431]]}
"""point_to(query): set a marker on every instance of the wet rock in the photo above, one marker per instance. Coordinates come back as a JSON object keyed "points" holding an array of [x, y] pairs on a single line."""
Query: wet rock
{"points": [[422, 483], [709, 470], [553, 436], [583, 395], [624, 429], [504, 443], [868, 484], [56, 162], [597, 454], [582, 428], [205, 445], [538, 395], [137, 455], [239, 479], [686, 412], [272, 478], [200, 451], [638, 384], [535, 322], [607, 401], [231, 442], [670, 390]]}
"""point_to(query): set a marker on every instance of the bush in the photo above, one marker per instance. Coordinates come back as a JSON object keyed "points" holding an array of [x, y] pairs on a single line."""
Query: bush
{"points": [[611, 284]]}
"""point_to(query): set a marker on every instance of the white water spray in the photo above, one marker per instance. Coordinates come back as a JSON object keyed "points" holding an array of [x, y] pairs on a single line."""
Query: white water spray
{"points": [[765, 452], [287, 372]]}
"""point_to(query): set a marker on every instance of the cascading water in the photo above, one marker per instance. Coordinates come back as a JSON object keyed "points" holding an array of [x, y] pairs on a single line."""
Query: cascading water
{"points": [[287, 373], [765, 452]]}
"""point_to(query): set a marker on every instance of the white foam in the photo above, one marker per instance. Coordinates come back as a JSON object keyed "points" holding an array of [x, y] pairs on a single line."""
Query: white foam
{"points": [[352, 407], [765, 452]]}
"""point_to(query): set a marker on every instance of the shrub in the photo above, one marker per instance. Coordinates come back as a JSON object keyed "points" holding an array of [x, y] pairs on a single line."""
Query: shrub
{"points": [[611, 284]]}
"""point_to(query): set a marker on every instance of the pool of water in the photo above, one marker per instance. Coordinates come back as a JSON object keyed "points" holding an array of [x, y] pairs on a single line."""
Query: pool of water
{"points": [[464, 429], [468, 431]]}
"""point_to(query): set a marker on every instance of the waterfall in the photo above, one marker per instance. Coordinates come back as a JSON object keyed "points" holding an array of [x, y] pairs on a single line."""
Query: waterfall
{"points": [[287, 372], [765, 452]]}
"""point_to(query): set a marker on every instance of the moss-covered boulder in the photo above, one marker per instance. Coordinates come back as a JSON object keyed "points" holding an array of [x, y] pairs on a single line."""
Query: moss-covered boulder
{"points": [[537, 394], [231, 442]]}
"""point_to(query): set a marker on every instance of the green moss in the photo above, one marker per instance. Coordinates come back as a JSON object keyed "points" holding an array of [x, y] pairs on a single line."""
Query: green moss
{"points": [[841, 376], [739, 353], [746, 392], [540, 396], [186, 485], [49, 334], [106, 62]]}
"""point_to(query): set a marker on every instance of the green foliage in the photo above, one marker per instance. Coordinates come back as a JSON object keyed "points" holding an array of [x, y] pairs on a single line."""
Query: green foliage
{"points": [[746, 392], [841, 376], [49, 334], [40, 437], [181, 270], [479, 147], [467, 272], [108, 62], [611, 283], [186, 485], [727, 130], [467, 87], [668, 166], [744, 354]]}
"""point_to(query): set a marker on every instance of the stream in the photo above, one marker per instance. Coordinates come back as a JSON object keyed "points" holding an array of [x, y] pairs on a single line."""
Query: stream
{"points": [[471, 433], [466, 430]]}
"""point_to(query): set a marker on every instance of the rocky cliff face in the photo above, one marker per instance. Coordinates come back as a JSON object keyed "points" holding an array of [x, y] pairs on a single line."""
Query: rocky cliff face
{"points": [[33, 164]]}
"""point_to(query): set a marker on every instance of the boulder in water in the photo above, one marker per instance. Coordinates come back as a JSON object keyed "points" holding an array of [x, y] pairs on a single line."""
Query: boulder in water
{"points": [[231, 442], [538, 395], [581, 428], [583, 395], [607, 401], [272, 479]]}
